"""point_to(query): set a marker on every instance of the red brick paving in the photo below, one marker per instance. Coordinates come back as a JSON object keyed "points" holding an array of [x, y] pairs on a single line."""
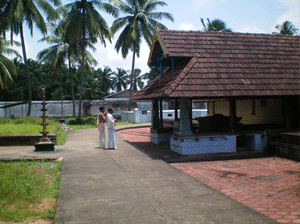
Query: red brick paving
{"points": [[270, 186], [135, 134]]}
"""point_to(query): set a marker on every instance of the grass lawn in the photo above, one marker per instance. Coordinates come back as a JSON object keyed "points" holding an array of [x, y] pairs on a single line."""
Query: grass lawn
{"points": [[25, 126], [28, 190], [32, 126]]}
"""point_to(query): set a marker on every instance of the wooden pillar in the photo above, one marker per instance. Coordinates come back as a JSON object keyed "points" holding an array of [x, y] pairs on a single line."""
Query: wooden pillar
{"points": [[155, 115], [232, 114], [253, 107], [184, 123], [207, 105], [191, 111], [161, 113]]}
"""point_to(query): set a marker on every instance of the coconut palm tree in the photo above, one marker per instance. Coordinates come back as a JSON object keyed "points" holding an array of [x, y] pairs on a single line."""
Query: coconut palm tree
{"points": [[154, 71], [104, 78], [120, 79], [16, 12], [287, 28], [215, 25], [137, 79], [7, 67], [84, 22], [91, 90], [63, 51], [140, 22]]}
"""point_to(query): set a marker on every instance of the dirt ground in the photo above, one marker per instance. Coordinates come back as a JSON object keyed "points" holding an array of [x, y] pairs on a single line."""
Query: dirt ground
{"points": [[46, 204]]}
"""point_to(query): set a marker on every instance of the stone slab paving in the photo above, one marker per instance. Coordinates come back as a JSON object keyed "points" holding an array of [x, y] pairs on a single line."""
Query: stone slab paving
{"points": [[270, 186]]}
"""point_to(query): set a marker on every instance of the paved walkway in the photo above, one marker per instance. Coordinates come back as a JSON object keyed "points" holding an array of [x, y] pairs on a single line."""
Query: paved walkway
{"points": [[128, 186], [270, 186]]}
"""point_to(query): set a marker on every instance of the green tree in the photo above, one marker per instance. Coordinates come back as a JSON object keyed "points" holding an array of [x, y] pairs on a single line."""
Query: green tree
{"points": [[137, 79], [91, 90], [15, 13], [120, 79], [287, 28], [154, 71], [104, 79], [84, 22], [140, 22], [7, 67], [215, 25], [63, 51]]}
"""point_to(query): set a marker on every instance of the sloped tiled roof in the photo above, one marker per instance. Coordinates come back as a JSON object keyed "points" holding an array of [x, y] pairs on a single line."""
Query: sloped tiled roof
{"points": [[121, 94], [222, 64]]}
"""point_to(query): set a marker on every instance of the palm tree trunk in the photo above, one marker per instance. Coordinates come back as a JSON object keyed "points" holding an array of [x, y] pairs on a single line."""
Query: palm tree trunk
{"points": [[82, 70], [26, 69], [72, 86], [132, 71]]}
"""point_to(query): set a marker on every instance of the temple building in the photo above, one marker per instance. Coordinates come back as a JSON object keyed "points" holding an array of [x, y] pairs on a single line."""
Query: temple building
{"points": [[250, 83]]}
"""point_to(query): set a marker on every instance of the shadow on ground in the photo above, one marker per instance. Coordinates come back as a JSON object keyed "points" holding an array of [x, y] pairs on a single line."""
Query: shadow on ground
{"points": [[162, 151], [155, 151]]}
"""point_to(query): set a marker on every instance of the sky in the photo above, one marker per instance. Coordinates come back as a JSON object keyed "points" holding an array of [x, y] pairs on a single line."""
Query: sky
{"points": [[243, 16]]}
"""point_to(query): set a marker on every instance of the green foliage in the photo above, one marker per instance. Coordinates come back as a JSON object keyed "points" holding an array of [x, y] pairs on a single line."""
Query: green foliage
{"points": [[123, 123], [57, 83], [215, 25], [56, 86], [6, 66], [81, 121], [139, 22], [120, 79], [23, 184], [61, 135], [137, 80], [287, 28]]}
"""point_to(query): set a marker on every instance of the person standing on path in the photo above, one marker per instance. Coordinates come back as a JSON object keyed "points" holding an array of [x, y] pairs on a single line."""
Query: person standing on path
{"points": [[101, 127], [111, 142]]}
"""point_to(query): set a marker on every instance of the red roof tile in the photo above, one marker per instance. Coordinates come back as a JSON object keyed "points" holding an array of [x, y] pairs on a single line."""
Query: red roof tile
{"points": [[222, 64]]}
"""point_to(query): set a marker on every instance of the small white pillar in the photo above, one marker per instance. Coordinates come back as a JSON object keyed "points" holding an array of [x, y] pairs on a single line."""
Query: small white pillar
{"points": [[136, 115]]}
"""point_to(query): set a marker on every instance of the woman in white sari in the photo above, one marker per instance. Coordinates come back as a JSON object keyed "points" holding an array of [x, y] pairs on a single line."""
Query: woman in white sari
{"points": [[111, 140]]}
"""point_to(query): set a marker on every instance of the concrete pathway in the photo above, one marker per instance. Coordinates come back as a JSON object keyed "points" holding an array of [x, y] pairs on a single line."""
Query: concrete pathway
{"points": [[127, 186], [268, 185]]}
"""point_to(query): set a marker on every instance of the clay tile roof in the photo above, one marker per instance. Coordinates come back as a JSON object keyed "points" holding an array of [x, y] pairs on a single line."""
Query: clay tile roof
{"points": [[222, 64]]}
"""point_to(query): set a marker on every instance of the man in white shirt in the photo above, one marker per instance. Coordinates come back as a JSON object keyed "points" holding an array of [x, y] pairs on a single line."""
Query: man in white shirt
{"points": [[111, 141]]}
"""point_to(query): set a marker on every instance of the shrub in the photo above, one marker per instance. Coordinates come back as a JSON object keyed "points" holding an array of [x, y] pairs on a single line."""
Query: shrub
{"points": [[81, 121]]}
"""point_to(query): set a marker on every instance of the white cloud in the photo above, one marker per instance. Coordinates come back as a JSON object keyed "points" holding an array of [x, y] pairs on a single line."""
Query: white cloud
{"points": [[207, 3], [201, 3], [251, 29], [109, 57], [186, 26], [291, 14]]}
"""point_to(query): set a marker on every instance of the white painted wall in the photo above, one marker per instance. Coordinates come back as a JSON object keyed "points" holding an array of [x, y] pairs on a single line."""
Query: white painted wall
{"points": [[54, 108]]}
